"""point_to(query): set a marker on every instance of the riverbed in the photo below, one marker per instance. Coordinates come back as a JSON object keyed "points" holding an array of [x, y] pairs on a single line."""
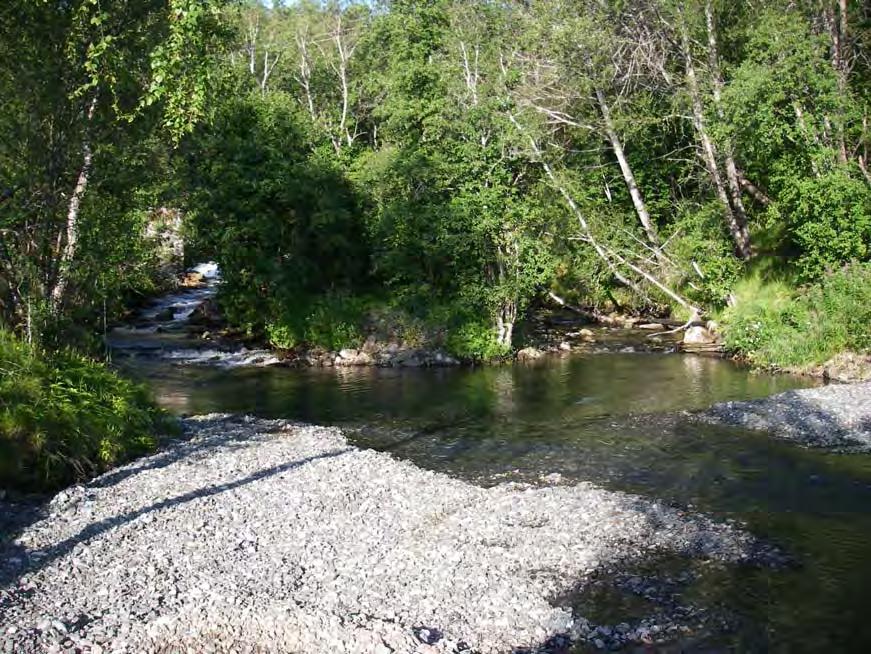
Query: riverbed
{"points": [[617, 420]]}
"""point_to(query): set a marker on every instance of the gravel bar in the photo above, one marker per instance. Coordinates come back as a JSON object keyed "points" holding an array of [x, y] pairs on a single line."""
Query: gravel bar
{"points": [[253, 535], [836, 416]]}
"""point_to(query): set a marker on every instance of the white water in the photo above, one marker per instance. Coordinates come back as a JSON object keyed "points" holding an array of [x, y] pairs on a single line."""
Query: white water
{"points": [[154, 335]]}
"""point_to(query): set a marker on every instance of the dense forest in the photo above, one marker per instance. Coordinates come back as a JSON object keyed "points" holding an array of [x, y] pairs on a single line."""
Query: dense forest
{"points": [[444, 166]]}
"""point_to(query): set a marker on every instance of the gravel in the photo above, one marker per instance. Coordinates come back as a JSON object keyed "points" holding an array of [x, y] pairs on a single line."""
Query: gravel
{"points": [[270, 536], [835, 416]]}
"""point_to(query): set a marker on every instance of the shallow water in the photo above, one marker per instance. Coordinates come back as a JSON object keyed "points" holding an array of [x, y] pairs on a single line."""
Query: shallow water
{"points": [[617, 420]]}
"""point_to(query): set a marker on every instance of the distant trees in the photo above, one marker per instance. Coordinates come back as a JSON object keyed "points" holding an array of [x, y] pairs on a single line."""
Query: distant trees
{"points": [[455, 160]]}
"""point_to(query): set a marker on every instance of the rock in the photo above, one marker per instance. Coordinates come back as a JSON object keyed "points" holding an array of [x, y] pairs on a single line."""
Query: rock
{"points": [[565, 346], [349, 357], [206, 315], [529, 354], [651, 326], [408, 358], [165, 315], [192, 279], [371, 345], [699, 336]]}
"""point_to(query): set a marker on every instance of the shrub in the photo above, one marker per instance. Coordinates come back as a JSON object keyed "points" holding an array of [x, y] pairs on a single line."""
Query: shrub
{"points": [[65, 418], [475, 340], [830, 221], [332, 321]]}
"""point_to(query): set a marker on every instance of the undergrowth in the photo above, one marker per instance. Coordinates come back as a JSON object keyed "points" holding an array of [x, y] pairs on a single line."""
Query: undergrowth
{"points": [[65, 418], [775, 325]]}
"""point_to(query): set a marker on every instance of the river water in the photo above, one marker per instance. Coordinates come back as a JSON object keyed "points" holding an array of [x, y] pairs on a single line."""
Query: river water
{"points": [[618, 420]]}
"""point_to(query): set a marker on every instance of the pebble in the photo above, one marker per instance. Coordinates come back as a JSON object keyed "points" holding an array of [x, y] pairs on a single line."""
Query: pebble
{"points": [[272, 536], [837, 416]]}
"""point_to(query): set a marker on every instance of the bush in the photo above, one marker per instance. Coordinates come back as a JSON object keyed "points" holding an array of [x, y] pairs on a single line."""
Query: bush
{"points": [[476, 341], [830, 221], [65, 418], [332, 321], [772, 326]]}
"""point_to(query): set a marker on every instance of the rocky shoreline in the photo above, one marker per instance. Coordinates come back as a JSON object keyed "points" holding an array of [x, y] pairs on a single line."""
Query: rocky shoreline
{"points": [[834, 416], [269, 536]]}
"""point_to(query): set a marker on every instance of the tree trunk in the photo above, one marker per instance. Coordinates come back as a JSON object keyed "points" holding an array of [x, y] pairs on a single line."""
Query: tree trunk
{"points": [[628, 177], [837, 23], [709, 153], [71, 240], [607, 255], [731, 168], [755, 192]]}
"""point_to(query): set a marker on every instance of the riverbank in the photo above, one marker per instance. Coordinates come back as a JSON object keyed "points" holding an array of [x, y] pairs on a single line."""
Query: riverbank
{"points": [[282, 537], [836, 416]]}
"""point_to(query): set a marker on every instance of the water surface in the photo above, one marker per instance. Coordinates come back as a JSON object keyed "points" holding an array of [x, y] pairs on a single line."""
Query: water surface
{"points": [[619, 421]]}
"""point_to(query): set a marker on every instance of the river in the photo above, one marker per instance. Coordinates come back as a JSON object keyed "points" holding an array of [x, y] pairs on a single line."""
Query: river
{"points": [[617, 420]]}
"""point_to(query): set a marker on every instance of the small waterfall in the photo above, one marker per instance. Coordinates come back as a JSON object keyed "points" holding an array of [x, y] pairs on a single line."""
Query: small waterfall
{"points": [[161, 330]]}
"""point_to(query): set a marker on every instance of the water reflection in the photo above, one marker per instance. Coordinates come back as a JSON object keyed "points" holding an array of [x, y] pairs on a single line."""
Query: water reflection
{"points": [[615, 420]]}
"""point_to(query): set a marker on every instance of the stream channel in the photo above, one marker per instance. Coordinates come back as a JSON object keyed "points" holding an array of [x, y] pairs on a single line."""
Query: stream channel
{"points": [[616, 419]]}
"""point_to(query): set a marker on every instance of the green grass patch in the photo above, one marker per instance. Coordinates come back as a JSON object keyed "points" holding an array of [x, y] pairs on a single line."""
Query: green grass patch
{"points": [[65, 418], [775, 325]]}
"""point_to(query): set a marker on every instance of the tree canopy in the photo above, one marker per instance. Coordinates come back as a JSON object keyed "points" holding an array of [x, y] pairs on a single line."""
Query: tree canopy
{"points": [[452, 162]]}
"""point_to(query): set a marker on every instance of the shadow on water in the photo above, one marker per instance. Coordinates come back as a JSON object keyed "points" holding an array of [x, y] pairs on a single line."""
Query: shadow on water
{"points": [[618, 421]]}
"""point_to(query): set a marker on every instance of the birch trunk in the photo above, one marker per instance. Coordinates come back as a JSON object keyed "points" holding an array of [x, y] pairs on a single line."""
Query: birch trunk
{"points": [[607, 255], [628, 176], [71, 240], [837, 23], [731, 168], [709, 153]]}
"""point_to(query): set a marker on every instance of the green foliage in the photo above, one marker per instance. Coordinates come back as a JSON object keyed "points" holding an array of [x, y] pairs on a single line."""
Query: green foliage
{"points": [[281, 219], [80, 175], [474, 340], [830, 220], [65, 418], [771, 325], [704, 251], [332, 321]]}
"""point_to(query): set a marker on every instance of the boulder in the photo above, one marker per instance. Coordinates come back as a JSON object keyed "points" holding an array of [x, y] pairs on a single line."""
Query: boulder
{"points": [[529, 354], [408, 358], [699, 336], [192, 279], [651, 326], [349, 357], [371, 345], [206, 315]]}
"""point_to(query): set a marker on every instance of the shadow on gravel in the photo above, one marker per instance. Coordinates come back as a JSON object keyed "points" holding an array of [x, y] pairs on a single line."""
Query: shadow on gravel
{"points": [[791, 416], [175, 450], [33, 560], [15, 516]]}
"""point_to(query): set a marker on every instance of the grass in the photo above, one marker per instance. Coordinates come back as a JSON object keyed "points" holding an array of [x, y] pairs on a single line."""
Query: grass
{"points": [[65, 418], [775, 325]]}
